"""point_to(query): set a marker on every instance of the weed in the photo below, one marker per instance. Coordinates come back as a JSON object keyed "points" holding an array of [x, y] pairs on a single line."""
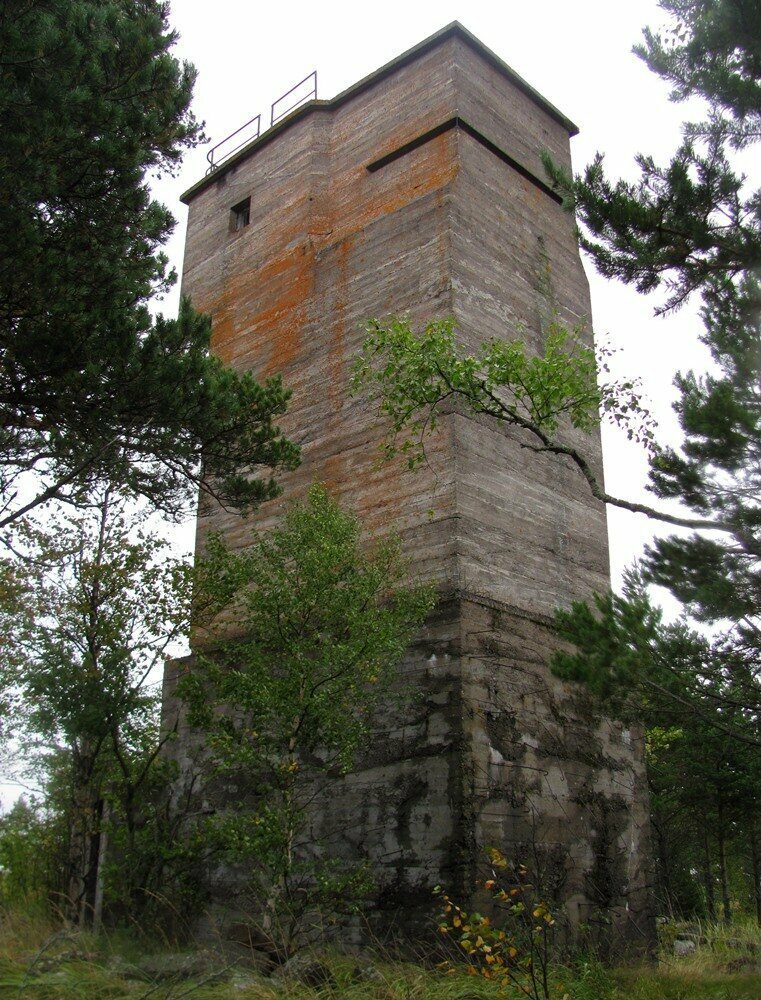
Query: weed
{"points": [[513, 948]]}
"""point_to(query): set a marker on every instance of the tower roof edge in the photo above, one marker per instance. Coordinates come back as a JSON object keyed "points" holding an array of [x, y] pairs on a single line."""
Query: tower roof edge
{"points": [[453, 30]]}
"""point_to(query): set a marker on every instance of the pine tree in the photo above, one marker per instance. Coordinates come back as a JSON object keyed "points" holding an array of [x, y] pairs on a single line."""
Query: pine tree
{"points": [[694, 226], [92, 102], [700, 703]]}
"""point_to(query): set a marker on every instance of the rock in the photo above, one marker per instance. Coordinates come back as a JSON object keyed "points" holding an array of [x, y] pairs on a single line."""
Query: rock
{"points": [[366, 973], [52, 962], [247, 943], [240, 981], [682, 947], [305, 969], [245, 957], [745, 963], [180, 965], [741, 944], [119, 966]]}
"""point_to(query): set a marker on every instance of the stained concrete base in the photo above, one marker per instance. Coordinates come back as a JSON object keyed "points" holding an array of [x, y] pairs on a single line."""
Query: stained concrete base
{"points": [[481, 747]]}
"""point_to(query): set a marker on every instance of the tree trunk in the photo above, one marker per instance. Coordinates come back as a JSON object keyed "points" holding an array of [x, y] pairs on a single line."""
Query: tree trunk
{"points": [[100, 867], [83, 843], [708, 877], [755, 863], [725, 901], [664, 867], [78, 854]]}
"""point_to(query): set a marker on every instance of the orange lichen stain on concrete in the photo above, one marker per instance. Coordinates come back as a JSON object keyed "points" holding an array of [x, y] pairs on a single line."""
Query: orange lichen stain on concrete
{"points": [[333, 472], [535, 195], [259, 318], [269, 305], [360, 200], [338, 378], [261, 307], [222, 328]]}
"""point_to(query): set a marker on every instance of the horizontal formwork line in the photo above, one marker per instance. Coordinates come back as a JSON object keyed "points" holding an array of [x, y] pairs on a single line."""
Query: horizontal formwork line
{"points": [[468, 129]]}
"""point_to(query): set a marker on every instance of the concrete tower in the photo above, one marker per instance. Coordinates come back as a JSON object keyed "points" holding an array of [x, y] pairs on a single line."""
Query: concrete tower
{"points": [[420, 190]]}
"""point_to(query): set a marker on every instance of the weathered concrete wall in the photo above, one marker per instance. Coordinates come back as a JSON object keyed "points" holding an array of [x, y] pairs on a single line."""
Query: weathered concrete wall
{"points": [[329, 246], [550, 782], [494, 751]]}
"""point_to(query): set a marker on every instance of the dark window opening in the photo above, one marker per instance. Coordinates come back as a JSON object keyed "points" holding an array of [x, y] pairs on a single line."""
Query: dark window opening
{"points": [[240, 215]]}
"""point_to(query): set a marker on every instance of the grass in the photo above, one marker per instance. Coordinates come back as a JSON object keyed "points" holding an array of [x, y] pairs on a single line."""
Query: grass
{"points": [[40, 960], [725, 965], [685, 984]]}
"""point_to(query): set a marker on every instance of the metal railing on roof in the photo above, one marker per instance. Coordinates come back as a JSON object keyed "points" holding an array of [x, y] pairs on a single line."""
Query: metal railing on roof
{"points": [[255, 133], [309, 95], [253, 128]]}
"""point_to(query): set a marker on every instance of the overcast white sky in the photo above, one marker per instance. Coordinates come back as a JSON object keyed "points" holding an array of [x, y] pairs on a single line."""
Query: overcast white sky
{"points": [[577, 54]]}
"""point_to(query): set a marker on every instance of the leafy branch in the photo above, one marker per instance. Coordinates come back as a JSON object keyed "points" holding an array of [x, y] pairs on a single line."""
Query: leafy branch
{"points": [[413, 377]]}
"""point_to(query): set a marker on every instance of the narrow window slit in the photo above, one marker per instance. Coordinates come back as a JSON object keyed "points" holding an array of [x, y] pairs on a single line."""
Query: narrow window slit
{"points": [[240, 215]]}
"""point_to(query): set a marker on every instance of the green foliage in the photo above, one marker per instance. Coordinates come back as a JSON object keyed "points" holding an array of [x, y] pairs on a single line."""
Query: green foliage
{"points": [[693, 225], [103, 603], [704, 793], [511, 948], [319, 628], [712, 50], [91, 388], [96, 604], [717, 471], [613, 643], [414, 376], [159, 848], [323, 627], [30, 851], [698, 699]]}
